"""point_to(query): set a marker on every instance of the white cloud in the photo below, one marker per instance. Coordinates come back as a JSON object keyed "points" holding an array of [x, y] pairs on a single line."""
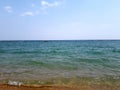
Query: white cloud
{"points": [[27, 14], [46, 4], [8, 9]]}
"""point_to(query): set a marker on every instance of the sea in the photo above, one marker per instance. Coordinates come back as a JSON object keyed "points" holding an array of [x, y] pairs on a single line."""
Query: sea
{"points": [[62, 62]]}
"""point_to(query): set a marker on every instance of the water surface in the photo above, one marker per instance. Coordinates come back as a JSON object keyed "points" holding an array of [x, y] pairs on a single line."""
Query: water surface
{"points": [[43, 60]]}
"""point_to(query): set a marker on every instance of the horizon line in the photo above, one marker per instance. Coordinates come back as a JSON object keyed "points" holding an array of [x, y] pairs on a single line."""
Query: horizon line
{"points": [[60, 40]]}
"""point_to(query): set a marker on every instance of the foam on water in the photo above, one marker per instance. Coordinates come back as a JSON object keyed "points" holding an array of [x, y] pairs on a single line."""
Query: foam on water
{"points": [[15, 83]]}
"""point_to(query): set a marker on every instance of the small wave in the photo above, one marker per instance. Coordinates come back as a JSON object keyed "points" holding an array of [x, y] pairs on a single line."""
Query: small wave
{"points": [[95, 52], [116, 51]]}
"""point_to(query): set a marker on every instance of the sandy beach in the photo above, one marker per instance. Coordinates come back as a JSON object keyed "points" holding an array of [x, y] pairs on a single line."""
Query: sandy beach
{"points": [[10, 87]]}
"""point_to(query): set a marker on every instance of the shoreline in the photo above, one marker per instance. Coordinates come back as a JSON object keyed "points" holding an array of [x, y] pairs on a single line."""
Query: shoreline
{"points": [[83, 83], [74, 83], [52, 87]]}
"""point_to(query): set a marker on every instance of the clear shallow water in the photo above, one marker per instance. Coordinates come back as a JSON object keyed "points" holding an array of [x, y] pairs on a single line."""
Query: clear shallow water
{"points": [[43, 60]]}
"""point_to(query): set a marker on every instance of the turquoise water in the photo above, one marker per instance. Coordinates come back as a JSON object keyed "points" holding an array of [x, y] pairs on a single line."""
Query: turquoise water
{"points": [[42, 60]]}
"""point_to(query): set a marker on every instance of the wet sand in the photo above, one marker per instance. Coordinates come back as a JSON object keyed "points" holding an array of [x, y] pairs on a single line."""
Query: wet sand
{"points": [[10, 87]]}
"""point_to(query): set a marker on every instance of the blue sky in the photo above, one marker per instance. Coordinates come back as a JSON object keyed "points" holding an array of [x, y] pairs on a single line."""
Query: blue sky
{"points": [[59, 19]]}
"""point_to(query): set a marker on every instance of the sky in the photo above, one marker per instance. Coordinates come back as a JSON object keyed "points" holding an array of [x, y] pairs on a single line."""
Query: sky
{"points": [[59, 19]]}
